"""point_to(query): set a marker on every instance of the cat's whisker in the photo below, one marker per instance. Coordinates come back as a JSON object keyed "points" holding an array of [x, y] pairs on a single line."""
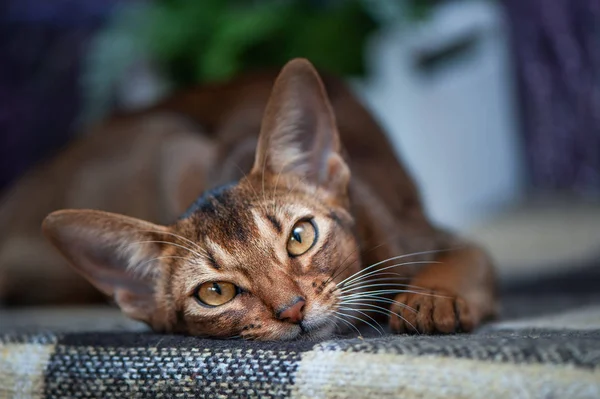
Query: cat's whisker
{"points": [[374, 272], [417, 262], [194, 244], [342, 263], [398, 277], [359, 319], [388, 312], [334, 274], [359, 273], [380, 330], [377, 311], [338, 315], [375, 298], [393, 291], [240, 169], [376, 276], [383, 281], [365, 269], [352, 283], [169, 243], [336, 326], [366, 285], [330, 278]]}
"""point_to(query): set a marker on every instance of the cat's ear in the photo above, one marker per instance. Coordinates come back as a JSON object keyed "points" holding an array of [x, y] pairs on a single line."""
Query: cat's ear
{"points": [[298, 133], [117, 254]]}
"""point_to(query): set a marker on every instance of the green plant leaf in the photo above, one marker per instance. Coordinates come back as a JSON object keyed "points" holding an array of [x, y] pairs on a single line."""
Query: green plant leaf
{"points": [[235, 32]]}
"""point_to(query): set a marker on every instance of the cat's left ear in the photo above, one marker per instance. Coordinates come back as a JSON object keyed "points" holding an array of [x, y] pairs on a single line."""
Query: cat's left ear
{"points": [[299, 133], [119, 255]]}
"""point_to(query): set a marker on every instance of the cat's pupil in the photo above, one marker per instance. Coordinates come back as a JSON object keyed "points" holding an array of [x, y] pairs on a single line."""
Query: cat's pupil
{"points": [[301, 238], [216, 288], [297, 234]]}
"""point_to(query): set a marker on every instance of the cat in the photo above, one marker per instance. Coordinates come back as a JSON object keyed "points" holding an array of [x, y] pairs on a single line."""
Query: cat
{"points": [[308, 223]]}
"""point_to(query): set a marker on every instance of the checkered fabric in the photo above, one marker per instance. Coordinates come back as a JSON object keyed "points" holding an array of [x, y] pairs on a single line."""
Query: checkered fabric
{"points": [[546, 346]]}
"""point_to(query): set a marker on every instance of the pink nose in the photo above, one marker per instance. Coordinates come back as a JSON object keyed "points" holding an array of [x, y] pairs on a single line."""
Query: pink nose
{"points": [[294, 312]]}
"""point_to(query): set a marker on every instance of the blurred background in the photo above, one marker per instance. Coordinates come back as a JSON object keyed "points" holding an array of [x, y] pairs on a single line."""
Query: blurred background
{"points": [[493, 105]]}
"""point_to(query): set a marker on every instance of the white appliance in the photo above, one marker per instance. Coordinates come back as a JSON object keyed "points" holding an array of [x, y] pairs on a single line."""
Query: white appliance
{"points": [[444, 91]]}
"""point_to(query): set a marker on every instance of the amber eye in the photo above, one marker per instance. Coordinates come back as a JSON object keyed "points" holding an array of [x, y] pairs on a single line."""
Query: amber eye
{"points": [[216, 293], [302, 238]]}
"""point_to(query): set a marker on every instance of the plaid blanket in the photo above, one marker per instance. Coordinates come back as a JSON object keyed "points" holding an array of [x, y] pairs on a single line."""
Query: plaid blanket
{"points": [[547, 345]]}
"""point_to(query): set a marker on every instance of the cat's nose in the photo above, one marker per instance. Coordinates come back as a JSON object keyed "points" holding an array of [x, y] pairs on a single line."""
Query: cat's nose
{"points": [[294, 313]]}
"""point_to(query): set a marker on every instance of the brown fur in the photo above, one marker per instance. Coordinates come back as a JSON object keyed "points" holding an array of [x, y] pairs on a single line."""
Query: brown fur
{"points": [[301, 150]]}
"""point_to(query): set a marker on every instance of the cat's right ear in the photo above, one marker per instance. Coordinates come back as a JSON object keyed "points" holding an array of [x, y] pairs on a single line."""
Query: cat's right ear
{"points": [[299, 134], [116, 253]]}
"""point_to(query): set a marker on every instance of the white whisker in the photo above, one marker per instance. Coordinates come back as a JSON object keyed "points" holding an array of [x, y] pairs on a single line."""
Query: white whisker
{"points": [[169, 243], [337, 316], [391, 280], [388, 312], [392, 291], [380, 330], [336, 325], [195, 245], [350, 279], [343, 263], [399, 276], [417, 262], [345, 290], [336, 273], [359, 319], [378, 299]]}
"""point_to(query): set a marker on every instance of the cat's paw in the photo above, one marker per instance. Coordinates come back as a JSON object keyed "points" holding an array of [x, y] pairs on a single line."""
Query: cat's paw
{"points": [[431, 312]]}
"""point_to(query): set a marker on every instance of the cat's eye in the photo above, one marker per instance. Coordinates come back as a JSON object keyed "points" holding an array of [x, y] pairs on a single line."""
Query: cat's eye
{"points": [[216, 293], [302, 238]]}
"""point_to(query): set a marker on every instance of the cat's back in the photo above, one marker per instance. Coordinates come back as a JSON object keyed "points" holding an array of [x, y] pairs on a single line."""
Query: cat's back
{"points": [[231, 114]]}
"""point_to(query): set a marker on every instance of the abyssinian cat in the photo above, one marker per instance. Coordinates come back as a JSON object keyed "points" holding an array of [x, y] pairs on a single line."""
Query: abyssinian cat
{"points": [[318, 226]]}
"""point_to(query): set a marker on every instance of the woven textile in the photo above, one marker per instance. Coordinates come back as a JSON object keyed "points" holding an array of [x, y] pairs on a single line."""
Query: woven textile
{"points": [[546, 346]]}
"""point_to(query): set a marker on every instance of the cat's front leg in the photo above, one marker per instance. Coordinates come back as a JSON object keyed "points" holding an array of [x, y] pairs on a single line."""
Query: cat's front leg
{"points": [[454, 295]]}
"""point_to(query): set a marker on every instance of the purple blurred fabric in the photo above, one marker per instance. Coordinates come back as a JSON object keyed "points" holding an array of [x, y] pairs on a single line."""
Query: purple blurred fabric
{"points": [[41, 47], [557, 47]]}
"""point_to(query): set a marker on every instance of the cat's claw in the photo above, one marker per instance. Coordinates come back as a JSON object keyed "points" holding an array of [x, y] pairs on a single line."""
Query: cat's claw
{"points": [[431, 312]]}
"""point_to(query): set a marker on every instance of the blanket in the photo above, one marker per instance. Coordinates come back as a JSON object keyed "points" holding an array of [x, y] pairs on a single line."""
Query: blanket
{"points": [[546, 345]]}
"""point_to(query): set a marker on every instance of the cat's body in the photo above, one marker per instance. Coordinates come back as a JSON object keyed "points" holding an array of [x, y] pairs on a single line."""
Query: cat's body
{"points": [[349, 194]]}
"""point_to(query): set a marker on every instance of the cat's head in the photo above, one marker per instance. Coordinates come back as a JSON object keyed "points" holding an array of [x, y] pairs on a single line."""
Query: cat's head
{"points": [[258, 259]]}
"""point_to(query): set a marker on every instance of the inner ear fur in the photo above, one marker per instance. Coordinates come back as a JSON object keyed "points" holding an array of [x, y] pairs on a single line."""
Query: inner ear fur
{"points": [[298, 134]]}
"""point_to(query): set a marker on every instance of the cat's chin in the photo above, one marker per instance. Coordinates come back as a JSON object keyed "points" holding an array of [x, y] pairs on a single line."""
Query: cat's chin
{"points": [[315, 332]]}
